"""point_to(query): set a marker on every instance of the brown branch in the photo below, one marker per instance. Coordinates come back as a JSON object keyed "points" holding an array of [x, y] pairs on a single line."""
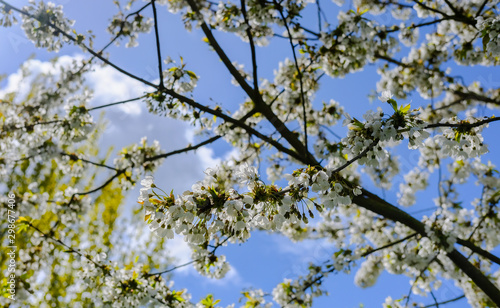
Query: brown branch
{"points": [[478, 250], [299, 72], [446, 302], [75, 157], [238, 123], [431, 9], [289, 136], [252, 47], [117, 174], [377, 205], [117, 103], [184, 150], [476, 96], [70, 249], [172, 269], [422, 271], [413, 26], [355, 158], [464, 125], [389, 245], [483, 218], [91, 51], [139, 10], [454, 9], [158, 52], [187, 263], [481, 8], [460, 17], [6, 129], [210, 140]]}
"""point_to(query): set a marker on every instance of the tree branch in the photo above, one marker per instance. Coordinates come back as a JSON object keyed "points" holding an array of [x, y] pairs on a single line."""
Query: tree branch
{"points": [[465, 125], [446, 302], [91, 51], [70, 249], [238, 123], [377, 205], [389, 245], [252, 47], [256, 98], [75, 157], [208, 141], [355, 158], [117, 103], [158, 52], [481, 8], [299, 72]]}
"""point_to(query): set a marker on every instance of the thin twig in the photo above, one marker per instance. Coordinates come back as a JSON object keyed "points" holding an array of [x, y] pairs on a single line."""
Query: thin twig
{"points": [[158, 52], [117, 103], [447, 301], [75, 157], [70, 249], [190, 262], [465, 125], [299, 72], [418, 277], [481, 8], [389, 245], [252, 47], [363, 153], [91, 51], [289, 136]]}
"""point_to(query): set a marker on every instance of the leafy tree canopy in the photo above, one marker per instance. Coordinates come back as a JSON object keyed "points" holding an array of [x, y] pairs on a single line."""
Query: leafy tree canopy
{"points": [[325, 170]]}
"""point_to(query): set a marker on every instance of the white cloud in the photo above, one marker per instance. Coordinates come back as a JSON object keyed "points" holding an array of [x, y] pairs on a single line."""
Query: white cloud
{"points": [[206, 154], [234, 153], [16, 83], [127, 126], [180, 250], [315, 249], [207, 157], [108, 84], [232, 278], [111, 86]]}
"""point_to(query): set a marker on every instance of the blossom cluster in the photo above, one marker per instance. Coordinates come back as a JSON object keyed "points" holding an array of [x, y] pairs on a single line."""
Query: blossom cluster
{"points": [[490, 32], [121, 26], [135, 159], [109, 285], [46, 25], [43, 132]]}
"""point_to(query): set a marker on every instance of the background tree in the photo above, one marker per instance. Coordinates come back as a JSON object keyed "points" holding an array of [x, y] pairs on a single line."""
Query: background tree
{"points": [[317, 183]]}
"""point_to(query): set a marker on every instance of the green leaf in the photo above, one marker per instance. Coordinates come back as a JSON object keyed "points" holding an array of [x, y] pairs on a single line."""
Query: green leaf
{"points": [[23, 220], [393, 103], [209, 302], [486, 40], [357, 124], [177, 296], [247, 295], [405, 109], [192, 74]]}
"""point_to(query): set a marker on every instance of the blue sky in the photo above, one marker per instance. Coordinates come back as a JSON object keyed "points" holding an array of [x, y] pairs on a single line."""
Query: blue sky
{"points": [[265, 259]]}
